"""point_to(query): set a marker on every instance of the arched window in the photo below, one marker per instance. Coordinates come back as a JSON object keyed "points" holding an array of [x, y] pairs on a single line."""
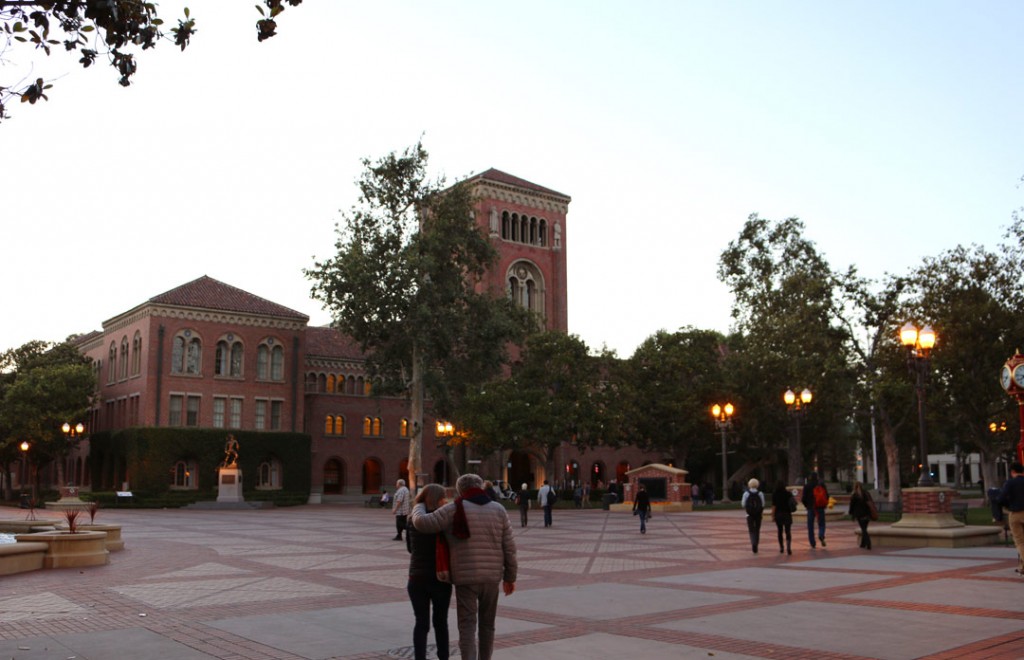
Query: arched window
{"points": [[505, 225], [378, 427], [277, 363], [350, 385], [183, 475], [542, 232], [367, 387], [321, 383], [268, 475], [403, 428], [329, 425], [137, 353], [330, 382], [112, 363], [124, 357], [515, 227], [270, 360], [367, 426], [229, 356], [186, 353], [526, 286], [339, 425]]}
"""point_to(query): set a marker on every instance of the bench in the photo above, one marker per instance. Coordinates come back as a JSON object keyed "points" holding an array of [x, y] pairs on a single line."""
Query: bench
{"points": [[372, 501]]}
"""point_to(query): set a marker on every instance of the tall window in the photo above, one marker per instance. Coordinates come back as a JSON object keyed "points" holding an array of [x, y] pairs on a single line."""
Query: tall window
{"points": [[329, 425], [112, 363], [124, 357], [275, 415], [228, 359], [219, 407], [175, 409], [372, 426], [526, 286], [192, 411], [186, 353], [261, 414], [137, 353], [235, 418], [270, 360], [403, 428], [335, 425]]}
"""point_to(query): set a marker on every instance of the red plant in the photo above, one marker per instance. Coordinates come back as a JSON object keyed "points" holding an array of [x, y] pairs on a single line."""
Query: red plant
{"points": [[71, 515], [94, 507]]}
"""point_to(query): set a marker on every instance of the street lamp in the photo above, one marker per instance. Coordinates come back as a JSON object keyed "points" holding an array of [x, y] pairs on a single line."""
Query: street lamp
{"points": [[723, 422], [72, 432], [919, 346], [797, 408], [26, 466]]}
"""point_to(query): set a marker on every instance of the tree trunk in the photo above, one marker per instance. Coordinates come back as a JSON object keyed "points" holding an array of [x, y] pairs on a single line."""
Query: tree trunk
{"points": [[988, 468], [416, 415], [892, 461], [795, 456]]}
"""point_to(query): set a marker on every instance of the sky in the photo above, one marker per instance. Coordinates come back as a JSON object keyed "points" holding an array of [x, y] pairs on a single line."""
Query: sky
{"points": [[892, 130]]}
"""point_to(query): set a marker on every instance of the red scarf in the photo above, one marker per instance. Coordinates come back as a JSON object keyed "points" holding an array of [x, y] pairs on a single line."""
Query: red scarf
{"points": [[460, 526]]}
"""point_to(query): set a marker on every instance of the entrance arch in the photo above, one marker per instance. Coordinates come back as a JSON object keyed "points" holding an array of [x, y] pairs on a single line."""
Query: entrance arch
{"points": [[372, 476], [334, 477], [597, 474], [520, 470]]}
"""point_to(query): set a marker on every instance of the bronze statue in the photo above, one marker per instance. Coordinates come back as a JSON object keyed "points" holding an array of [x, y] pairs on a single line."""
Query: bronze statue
{"points": [[230, 452]]}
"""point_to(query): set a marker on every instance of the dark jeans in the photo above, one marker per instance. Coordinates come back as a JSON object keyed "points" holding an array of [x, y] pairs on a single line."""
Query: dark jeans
{"points": [[754, 528], [424, 592], [400, 522], [523, 514], [811, 515], [865, 538], [547, 516], [787, 529]]}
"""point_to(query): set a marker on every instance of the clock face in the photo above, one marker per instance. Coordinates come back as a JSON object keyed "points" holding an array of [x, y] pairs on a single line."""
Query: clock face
{"points": [[1005, 379], [1018, 375]]}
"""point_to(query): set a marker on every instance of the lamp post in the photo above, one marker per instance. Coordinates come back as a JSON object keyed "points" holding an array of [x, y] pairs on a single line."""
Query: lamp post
{"points": [[25, 465], [796, 406], [72, 432], [723, 422], [445, 429], [919, 346]]}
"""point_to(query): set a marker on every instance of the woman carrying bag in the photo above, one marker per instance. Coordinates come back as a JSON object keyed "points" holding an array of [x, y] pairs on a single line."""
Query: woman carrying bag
{"points": [[863, 510], [425, 588]]}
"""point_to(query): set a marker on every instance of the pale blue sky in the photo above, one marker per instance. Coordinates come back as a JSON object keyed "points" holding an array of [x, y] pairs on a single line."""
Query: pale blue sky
{"points": [[892, 129]]}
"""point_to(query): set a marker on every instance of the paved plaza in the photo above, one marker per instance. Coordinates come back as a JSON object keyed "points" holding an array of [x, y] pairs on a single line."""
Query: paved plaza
{"points": [[327, 581]]}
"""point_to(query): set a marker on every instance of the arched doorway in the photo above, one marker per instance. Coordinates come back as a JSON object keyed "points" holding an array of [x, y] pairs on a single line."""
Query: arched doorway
{"points": [[519, 471], [441, 472], [597, 475], [334, 477], [620, 472], [403, 470], [372, 476], [572, 473]]}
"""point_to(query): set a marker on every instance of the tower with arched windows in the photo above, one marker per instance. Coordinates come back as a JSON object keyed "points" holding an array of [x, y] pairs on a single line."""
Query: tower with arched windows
{"points": [[527, 225]]}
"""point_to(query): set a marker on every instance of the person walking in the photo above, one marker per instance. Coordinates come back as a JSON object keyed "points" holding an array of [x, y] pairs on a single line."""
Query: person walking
{"points": [[783, 506], [1012, 497], [815, 499], [860, 511], [483, 555], [753, 503], [400, 508], [546, 496], [425, 590], [524, 505], [642, 507]]}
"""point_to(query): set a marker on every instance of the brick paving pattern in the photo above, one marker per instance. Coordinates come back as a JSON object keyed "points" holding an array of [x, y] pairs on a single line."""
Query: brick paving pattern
{"points": [[327, 582]]}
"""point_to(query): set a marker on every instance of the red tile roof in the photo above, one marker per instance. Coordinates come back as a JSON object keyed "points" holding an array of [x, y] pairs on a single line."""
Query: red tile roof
{"points": [[503, 177], [323, 341], [208, 293]]}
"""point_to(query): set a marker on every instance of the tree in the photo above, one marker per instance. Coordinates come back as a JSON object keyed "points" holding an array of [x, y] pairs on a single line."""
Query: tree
{"points": [[115, 29], [785, 307], [677, 377], [52, 384], [553, 395], [404, 284]]}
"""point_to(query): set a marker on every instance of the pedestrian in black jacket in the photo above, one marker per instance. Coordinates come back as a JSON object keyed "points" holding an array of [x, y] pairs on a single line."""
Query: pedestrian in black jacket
{"points": [[1012, 497], [425, 590], [860, 511]]}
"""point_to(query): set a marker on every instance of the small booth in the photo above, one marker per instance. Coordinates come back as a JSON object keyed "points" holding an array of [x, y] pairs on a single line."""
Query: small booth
{"points": [[666, 486]]}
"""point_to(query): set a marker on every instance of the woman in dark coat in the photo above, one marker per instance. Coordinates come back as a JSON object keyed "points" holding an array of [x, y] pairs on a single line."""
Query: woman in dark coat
{"points": [[424, 588], [861, 512], [642, 507], [783, 504]]}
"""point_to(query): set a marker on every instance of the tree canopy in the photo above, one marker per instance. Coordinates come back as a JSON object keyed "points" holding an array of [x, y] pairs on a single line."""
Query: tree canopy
{"points": [[89, 30]]}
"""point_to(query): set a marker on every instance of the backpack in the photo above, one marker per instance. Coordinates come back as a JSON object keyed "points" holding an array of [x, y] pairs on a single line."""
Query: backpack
{"points": [[754, 505], [820, 497], [550, 500]]}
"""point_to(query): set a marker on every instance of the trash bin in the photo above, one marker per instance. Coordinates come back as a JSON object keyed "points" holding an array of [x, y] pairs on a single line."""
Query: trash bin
{"points": [[607, 500], [25, 502]]}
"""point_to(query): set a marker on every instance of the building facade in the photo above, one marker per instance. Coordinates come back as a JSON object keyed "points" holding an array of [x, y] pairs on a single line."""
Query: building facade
{"points": [[209, 355]]}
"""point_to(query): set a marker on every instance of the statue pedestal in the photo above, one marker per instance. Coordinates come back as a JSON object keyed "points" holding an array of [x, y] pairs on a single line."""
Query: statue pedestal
{"points": [[229, 485]]}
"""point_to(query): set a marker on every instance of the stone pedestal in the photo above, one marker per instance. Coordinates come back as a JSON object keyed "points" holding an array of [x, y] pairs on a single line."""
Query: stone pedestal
{"points": [[928, 521], [229, 485]]}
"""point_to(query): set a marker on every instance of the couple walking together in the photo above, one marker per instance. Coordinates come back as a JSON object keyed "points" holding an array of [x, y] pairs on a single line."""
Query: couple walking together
{"points": [[483, 555]]}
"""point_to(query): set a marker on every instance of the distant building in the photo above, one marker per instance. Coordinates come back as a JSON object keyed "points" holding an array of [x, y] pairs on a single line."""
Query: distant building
{"points": [[209, 355]]}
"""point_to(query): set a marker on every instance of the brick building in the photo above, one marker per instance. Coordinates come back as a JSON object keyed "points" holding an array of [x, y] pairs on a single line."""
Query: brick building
{"points": [[209, 355]]}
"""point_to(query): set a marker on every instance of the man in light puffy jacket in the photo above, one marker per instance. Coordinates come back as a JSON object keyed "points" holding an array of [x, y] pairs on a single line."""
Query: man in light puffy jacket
{"points": [[483, 554]]}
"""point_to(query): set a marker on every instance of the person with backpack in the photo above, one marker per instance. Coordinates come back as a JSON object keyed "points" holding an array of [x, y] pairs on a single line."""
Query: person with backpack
{"points": [[783, 506], [546, 497], [861, 506], [753, 504], [815, 499]]}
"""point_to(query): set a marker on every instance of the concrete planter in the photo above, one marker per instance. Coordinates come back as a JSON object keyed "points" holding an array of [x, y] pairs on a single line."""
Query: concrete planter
{"points": [[114, 541], [67, 550]]}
